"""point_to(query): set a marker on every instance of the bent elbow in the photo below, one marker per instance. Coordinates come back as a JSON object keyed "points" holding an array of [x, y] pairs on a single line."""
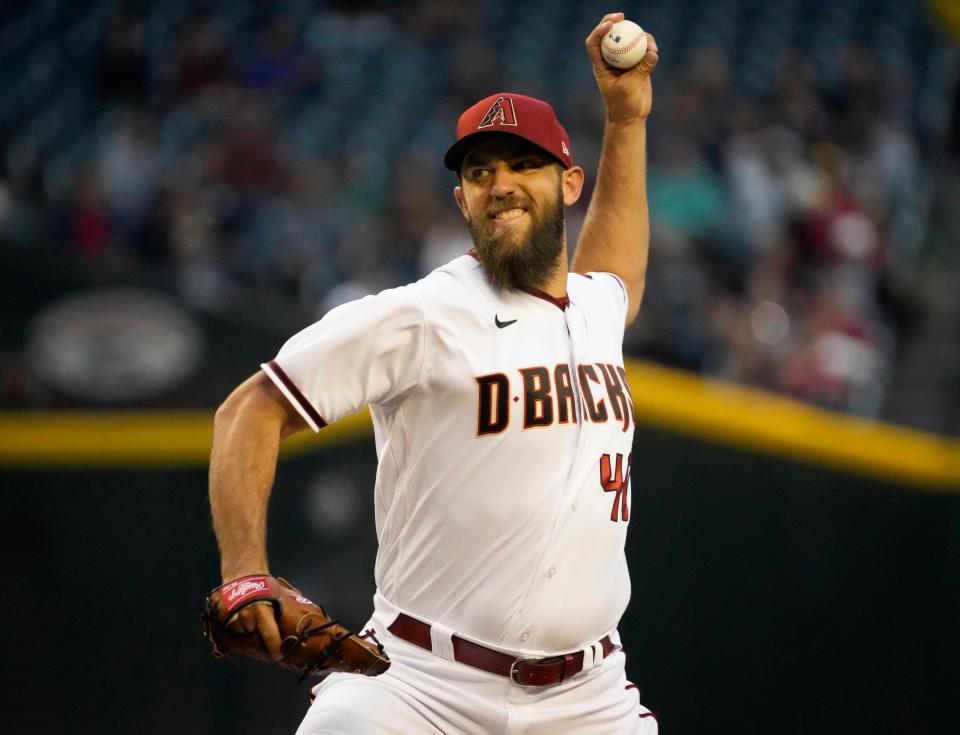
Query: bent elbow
{"points": [[232, 405], [226, 412], [255, 401]]}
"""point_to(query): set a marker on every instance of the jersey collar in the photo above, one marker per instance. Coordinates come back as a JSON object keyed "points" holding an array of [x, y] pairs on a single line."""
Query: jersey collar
{"points": [[561, 302]]}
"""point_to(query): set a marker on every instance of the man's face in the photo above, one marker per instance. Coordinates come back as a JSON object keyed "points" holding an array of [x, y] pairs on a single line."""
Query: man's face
{"points": [[512, 195]]}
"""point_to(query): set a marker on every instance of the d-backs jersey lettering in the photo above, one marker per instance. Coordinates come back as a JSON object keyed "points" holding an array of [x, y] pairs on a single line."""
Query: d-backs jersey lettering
{"points": [[503, 424]]}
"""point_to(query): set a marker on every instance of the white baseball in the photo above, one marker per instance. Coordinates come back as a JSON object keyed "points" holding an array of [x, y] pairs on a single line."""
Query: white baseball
{"points": [[624, 45]]}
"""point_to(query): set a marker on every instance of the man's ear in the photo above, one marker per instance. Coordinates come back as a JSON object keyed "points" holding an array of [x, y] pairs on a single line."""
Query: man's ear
{"points": [[461, 202], [572, 182]]}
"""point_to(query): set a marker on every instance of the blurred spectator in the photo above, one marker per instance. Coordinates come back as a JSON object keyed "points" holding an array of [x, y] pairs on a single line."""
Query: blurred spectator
{"points": [[836, 359], [444, 240], [202, 60], [706, 80], [23, 220], [797, 103], [410, 215], [309, 234], [279, 62], [122, 71], [190, 224], [248, 159], [475, 60], [89, 219], [837, 228], [684, 193], [769, 178], [129, 164], [437, 19]]}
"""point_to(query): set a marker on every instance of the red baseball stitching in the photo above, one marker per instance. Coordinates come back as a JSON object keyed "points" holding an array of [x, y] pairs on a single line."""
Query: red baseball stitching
{"points": [[624, 49]]}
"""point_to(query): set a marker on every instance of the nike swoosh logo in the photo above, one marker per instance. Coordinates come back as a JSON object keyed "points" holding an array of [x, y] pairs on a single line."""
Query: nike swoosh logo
{"points": [[501, 324]]}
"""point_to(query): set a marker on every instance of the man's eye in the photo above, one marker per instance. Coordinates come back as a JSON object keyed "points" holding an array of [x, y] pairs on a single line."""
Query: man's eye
{"points": [[477, 173], [529, 164]]}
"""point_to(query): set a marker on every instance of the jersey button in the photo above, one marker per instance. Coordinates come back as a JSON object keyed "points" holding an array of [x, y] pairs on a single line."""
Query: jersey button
{"points": [[524, 636], [575, 504], [552, 572]]}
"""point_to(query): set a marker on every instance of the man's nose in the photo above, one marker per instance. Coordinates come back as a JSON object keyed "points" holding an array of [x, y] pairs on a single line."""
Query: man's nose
{"points": [[504, 182]]}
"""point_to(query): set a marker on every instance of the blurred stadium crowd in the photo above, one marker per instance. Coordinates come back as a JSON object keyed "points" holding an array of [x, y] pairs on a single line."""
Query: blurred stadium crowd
{"points": [[295, 147]]}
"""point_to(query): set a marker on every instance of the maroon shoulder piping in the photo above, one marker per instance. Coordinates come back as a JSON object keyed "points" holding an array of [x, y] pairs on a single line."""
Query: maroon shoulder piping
{"points": [[297, 394]]}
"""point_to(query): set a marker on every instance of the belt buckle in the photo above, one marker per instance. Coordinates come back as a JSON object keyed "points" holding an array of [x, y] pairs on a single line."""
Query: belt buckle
{"points": [[514, 671]]}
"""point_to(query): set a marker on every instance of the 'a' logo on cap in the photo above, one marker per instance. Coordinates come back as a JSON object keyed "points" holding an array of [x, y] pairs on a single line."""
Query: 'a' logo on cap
{"points": [[500, 113]]}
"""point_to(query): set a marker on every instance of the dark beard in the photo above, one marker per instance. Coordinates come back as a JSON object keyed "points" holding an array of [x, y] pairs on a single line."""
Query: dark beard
{"points": [[526, 266]]}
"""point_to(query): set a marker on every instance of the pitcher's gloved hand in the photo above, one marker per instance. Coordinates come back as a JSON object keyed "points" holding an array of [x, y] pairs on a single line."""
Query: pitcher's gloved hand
{"points": [[310, 641]]}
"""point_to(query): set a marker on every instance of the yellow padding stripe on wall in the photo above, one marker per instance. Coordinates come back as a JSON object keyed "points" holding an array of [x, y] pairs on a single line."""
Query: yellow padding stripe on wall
{"points": [[947, 12], [760, 421], [134, 439], [663, 397]]}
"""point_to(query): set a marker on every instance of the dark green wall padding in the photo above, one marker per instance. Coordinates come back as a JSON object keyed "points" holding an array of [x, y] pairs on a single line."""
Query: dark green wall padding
{"points": [[768, 596]]}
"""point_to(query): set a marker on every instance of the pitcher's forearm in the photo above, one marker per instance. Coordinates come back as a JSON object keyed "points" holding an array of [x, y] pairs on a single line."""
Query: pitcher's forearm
{"points": [[616, 231], [242, 469]]}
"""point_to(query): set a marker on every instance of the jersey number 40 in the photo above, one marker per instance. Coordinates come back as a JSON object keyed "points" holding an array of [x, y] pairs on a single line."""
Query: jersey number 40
{"points": [[613, 479]]}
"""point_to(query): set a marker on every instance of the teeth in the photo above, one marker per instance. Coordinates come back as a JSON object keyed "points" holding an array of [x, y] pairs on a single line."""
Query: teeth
{"points": [[508, 214]]}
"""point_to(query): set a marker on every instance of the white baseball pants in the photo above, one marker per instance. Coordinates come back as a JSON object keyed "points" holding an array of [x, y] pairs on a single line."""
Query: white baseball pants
{"points": [[423, 694]]}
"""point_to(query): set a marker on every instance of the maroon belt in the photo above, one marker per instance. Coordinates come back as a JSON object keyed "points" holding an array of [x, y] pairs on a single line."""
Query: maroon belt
{"points": [[529, 672]]}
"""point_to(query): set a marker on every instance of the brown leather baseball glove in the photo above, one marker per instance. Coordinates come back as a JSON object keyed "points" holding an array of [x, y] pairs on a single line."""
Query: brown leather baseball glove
{"points": [[311, 642]]}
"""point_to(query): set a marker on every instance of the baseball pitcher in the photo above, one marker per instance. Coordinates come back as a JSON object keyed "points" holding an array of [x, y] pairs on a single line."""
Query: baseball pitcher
{"points": [[503, 425]]}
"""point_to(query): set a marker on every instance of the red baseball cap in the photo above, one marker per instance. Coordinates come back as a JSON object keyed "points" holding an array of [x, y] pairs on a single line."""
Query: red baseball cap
{"points": [[513, 114]]}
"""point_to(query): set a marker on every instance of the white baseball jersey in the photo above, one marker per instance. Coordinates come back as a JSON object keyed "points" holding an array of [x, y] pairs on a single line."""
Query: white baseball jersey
{"points": [[503, 426]]}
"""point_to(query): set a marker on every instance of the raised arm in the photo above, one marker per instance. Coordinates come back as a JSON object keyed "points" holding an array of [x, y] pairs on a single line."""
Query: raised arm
{"points": [[616, 231], [247, 432]]}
